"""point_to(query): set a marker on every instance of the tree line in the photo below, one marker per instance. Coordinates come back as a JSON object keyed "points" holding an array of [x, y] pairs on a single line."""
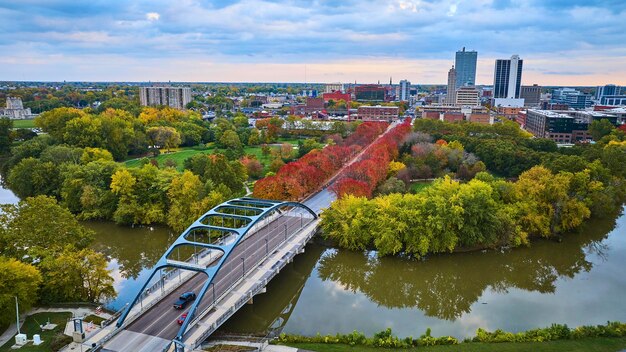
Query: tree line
{"points": [[44, 258], [297, 179], [548, 198]]}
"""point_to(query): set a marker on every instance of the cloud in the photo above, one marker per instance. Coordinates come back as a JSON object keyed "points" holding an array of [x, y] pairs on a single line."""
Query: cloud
{"points": [[298, 32], [153, 16]]}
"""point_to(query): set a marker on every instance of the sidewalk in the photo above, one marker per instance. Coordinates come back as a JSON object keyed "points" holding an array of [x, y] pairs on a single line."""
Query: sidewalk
{"points": [[77, 312]]}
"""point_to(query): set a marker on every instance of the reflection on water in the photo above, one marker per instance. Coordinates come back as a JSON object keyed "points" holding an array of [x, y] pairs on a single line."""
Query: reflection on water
{"points": [[578, 281], [132, 253]]}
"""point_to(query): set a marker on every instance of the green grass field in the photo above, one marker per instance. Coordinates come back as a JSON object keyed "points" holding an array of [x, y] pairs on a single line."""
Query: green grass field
{"points": [[182, 154], [31, 327], [24, 123], [600, 344], [419, 186]]}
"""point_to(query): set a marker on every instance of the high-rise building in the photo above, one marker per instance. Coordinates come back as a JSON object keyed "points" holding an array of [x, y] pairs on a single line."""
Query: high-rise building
{"points": [[467, 96], [531, 95], [451, 94], [507, 79], [465, 64], [405, 90], [573, 98], [175, 97], [609, 89]]}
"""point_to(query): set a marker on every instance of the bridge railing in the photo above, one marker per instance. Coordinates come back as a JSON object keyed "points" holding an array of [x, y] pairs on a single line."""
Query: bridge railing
{"points": [[293, 231], [228, 278]]}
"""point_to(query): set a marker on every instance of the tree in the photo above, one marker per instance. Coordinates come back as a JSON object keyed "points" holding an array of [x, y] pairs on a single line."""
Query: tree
{"points": [[391, 185], [53, 122], [32, 177], [254, 168], [254, 138], [286, 151], [230, 141], [38, 227], [17, 279], [76, 276], [601, 128], [163, 137], [93, 154], [6, 125], [188, 200]]}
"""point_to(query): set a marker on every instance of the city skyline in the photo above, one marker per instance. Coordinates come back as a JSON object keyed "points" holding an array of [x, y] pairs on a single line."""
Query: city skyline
{"points": [[294, 41]]}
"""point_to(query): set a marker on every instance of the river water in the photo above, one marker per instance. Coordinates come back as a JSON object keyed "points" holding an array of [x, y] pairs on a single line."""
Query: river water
{"points": [[578, 281], [327, 290]]}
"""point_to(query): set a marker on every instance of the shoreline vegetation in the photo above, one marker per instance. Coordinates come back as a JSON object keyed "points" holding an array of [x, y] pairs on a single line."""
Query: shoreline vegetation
{"points": [[550, 191], [557, 337]]}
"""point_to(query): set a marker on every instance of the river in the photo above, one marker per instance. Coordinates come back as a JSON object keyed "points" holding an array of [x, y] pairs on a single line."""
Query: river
{"points": [[578, 281], [327, 290]]}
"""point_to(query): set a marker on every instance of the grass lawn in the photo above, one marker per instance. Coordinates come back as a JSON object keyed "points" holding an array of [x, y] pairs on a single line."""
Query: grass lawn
{"points": [[178, 155], [31, 327], [24, 123], [181, 154], [96, 320], [419, 186], [600, 344]]}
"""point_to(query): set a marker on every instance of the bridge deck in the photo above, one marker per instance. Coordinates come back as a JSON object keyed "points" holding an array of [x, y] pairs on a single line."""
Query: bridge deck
{"points": [[157, 325]]}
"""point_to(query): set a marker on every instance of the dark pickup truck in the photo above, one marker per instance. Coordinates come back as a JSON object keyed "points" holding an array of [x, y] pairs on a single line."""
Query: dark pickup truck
{"points": [[184, 299]]}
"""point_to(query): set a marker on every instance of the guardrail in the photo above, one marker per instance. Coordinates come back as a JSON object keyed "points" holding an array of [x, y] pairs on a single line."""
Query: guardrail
{"points": [[257, 288]]}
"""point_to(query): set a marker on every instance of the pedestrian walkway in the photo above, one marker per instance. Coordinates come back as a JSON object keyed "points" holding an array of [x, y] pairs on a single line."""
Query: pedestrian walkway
{"points": [[11, 331]]}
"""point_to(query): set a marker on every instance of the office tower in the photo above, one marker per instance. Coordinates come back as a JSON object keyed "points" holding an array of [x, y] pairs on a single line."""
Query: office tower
{"points": [[609, 89], [175, 97], [467, 96], [531, 95], [451, 94], [405, 87], [507, 78], [465, 64]]}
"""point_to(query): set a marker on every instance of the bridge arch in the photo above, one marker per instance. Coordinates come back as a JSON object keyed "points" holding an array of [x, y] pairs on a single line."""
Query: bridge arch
{"points": [[254, 212]]}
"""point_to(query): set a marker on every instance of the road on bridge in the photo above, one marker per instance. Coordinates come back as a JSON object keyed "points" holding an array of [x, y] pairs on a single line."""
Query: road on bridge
{"points": [[160, 320], [156, 327]]}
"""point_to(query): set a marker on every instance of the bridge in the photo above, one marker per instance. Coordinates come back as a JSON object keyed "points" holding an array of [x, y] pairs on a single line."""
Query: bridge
{"points": [[226, 257]]}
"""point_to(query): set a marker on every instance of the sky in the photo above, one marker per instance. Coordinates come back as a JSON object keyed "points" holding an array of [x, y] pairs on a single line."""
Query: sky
{"points": [[562, 42]]}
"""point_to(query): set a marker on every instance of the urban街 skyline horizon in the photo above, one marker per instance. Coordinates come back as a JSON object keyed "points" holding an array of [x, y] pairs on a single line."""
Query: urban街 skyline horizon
{"points": [[563, 44]]}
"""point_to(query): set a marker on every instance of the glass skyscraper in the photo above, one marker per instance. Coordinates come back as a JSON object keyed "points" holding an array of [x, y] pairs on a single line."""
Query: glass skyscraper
{"points": [[465, 65], [507, 78]]}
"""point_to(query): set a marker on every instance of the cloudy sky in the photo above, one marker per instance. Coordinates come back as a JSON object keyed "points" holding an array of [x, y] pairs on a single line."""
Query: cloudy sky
{"points": [[562, 42]]}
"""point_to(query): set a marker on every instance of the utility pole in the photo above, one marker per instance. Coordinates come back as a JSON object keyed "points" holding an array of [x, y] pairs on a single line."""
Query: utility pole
{"points": [[17, 315]]}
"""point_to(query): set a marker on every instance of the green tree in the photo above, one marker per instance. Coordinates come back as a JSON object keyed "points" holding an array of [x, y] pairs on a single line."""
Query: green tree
{"points": [[6, 125], [17, 279], [600, 128], [230, 141], [75, 276], [188, 200], [163, 137], [33, 177], [37, 227], [54, 121], [93, 154]]}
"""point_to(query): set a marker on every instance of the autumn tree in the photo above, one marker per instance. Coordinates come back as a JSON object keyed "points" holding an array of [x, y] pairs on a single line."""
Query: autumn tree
{"points": [[163, 137], [19, 280]]}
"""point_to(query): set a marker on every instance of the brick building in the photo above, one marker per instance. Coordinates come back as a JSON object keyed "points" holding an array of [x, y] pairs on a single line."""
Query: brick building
{"points": [[377, 112]]}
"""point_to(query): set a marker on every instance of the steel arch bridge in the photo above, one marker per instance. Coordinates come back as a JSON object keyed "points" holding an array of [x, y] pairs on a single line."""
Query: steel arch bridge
{"points": [[222, 228]]}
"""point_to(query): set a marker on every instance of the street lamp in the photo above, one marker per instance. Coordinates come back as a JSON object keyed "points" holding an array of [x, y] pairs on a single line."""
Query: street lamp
{"points": [[17, 315]]}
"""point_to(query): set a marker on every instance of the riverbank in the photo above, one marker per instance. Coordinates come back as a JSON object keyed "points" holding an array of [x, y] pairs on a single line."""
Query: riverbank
{"points": [[600, 344]]}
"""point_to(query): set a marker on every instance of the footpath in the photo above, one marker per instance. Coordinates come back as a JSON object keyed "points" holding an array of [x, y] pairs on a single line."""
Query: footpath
{"points": [[11, 331]]}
